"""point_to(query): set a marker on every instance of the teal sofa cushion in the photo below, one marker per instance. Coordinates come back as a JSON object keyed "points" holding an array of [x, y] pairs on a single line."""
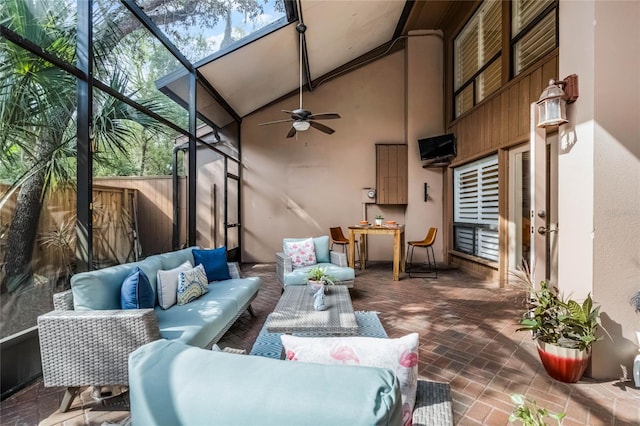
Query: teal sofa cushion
{"points": [[198, 322], [176, 258], [100, 289], [170, 383], [299, 275], [321, 245]]}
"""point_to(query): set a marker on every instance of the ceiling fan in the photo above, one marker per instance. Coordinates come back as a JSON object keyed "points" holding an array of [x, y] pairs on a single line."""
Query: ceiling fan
{"points": [[301, 118]]}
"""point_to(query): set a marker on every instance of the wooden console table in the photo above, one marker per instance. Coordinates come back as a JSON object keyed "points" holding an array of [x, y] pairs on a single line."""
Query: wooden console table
{"points": [[398, 244]]}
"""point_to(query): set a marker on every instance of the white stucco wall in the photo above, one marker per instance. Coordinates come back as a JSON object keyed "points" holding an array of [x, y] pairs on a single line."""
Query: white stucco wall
{"points": [[599, 172]]}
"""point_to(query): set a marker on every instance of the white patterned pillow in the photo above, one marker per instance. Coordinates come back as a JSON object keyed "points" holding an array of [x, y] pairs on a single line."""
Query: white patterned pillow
{"points": [[399, 355], [302, 253], [192, 284], [168, 285]]}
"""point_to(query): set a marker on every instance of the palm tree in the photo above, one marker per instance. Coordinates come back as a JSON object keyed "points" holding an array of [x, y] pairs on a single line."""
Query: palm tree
{"points": [[38, 130]]}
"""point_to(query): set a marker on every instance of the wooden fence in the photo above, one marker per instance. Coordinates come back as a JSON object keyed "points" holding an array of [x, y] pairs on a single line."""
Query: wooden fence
{"points": [[133, 217]]}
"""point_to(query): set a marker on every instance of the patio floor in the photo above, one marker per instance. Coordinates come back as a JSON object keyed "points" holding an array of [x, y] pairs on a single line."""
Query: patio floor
{"points": [[467, 335]]}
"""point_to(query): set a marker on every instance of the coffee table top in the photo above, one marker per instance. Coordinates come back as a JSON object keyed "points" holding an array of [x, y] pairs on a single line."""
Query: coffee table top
{"points": [[294, 312]]}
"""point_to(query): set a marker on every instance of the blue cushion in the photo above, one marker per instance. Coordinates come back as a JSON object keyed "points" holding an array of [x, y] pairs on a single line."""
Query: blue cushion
{"points": [[136, 292], [214, 263]]}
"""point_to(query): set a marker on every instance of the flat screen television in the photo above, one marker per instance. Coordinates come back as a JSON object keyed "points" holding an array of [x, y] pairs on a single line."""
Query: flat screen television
{"points": [[437, 147]]}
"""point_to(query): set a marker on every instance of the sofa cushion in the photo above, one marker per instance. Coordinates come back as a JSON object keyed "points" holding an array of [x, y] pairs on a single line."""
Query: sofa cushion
{"points": [[170, 383], [302, 253], [299, 275], [321, 245], [191, 285], [136, 292], [196, 323], [214, 263], [240, 290], [399, 355], [100, 289], [167, 287], [176, 258]]}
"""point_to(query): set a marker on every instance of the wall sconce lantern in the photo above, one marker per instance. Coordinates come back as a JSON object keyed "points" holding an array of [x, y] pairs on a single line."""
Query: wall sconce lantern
{"points": [[553, 100]]}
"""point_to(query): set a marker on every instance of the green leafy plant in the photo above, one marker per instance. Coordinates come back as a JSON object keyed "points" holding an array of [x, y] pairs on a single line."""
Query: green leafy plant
{"points": [[320, 274], [635, 302], [552, 319], [529, 414], [379, 217]]}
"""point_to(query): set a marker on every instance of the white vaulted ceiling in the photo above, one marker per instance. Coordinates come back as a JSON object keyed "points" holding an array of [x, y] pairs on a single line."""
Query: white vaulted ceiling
{"points": [[267, 68]]}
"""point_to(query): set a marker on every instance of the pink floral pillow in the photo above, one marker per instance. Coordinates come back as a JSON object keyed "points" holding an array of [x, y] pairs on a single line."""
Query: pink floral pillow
{"points": [[302, 253], [399, 355]]}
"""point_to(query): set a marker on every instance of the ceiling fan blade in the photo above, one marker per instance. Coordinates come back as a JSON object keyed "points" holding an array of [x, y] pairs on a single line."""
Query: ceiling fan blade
{"points": [[292, 132], [321, 127], [277, 121], [324, 116]]}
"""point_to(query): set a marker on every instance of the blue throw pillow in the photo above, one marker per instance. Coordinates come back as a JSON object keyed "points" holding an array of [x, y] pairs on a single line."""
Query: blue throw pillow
{"points": [[136, 291], [214, 263]]}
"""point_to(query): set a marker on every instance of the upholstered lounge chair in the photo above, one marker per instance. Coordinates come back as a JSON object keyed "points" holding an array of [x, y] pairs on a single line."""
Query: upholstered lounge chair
{"points": [[335, 262]]}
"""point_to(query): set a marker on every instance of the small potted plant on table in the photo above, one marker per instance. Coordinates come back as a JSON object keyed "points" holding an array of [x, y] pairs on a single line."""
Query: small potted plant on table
{"points": [[564, 331], [318, 278], [379, 218]]}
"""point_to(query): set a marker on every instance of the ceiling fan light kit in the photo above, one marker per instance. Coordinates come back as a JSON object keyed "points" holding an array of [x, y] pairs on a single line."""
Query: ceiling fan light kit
{"points": [[301, 118]]}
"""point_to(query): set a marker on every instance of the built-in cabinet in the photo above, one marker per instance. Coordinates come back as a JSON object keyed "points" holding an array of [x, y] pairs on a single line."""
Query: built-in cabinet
{"points": [[391, 174]]}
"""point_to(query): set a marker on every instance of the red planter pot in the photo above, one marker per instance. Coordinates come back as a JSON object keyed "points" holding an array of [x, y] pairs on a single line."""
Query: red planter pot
{"points": [[563, 364]]}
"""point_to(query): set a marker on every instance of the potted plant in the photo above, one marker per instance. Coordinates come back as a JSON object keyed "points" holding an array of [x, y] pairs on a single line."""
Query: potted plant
{"points": [[379, 218], [529, 414], [564, 330], [318, 277]]}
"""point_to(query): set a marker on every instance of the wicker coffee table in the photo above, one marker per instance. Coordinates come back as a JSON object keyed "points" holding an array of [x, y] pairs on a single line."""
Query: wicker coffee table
{"points": [[294, 313]]}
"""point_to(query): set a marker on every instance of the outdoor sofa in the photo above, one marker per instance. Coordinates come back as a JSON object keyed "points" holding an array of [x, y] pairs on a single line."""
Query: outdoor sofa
{"points": [[172, 383], [87, 338], [335, 263]]}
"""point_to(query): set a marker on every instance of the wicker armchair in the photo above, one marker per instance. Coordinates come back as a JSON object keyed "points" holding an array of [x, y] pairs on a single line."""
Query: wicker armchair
{"points": [[83, 348], [91, 348], [284, 267]]}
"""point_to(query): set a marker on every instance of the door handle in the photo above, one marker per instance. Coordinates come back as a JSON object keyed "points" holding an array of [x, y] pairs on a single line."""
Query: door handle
{"points": [[543, 231]]}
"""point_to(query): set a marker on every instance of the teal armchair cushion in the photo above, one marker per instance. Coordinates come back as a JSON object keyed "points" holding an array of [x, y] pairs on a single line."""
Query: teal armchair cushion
{"points": [[170, 383]]}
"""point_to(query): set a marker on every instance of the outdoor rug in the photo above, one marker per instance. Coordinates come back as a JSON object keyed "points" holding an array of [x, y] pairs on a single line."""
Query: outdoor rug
{"points": [[269, 344]]}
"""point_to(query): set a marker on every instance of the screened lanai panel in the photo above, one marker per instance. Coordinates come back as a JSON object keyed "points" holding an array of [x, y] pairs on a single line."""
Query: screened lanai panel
{"points": [[201, 28], [37, 172], [129, 59], [48, 24]]}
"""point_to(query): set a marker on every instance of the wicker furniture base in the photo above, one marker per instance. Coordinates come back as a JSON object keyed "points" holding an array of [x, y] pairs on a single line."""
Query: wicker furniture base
{"points": [[294, 312]]}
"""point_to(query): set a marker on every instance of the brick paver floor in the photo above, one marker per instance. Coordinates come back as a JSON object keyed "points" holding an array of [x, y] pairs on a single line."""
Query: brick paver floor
{"points": [[467, 338]]}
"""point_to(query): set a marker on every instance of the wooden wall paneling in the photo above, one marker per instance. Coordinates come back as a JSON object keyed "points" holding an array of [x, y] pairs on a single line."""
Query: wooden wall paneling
{"points": [[550, 71], [496, 123], [514, 126], [535, 85], [504, 117], [524, 114], [486, 120]]}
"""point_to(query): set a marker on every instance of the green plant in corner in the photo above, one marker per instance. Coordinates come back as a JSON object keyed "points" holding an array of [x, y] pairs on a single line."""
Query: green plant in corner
{"points": [[320, 274], [565, 323], [529, 414], [379, 217]]}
